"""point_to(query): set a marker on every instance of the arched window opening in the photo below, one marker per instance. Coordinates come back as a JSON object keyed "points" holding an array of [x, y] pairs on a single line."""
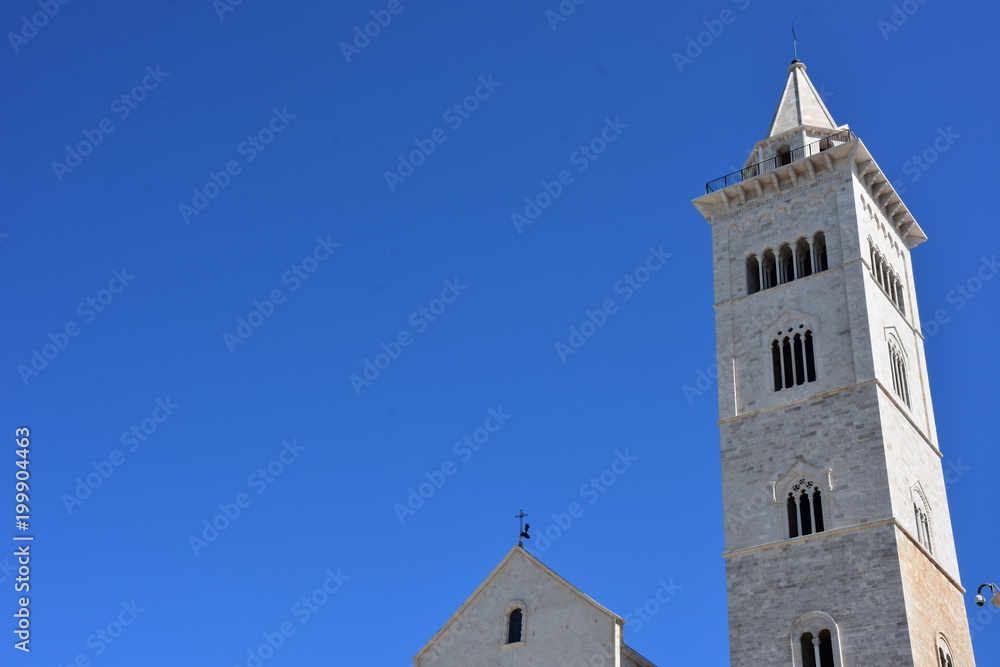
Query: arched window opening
{"points": [[923, 528], [803, 259], [810, 358], [818, 510], [805, 509], [922, 519], [808, 654], [793, 516], [800, 364], [776, 365], [786, 264], [769, 270], [819, 250], [817, 651], [514, 622], [816, 641], [786, 361], [805, 513], [886, 277], [784, 155], [900, 385], [793, 360], [753, 275], [944, 652], [825, 649]]}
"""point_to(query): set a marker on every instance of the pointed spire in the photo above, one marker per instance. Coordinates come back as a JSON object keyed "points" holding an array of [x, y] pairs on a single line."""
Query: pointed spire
{"points": [[800, 104]]}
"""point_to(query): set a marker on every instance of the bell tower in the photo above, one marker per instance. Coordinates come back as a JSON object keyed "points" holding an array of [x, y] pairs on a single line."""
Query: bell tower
{"points": [[838, 540]]}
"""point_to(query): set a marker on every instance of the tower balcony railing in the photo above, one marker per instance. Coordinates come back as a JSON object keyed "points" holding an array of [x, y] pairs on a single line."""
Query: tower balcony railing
{"points": [[781, 160]]}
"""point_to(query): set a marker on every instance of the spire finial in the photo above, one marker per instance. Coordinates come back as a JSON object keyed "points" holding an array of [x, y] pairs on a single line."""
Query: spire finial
{"points": [[795, 44], [524, 529]]}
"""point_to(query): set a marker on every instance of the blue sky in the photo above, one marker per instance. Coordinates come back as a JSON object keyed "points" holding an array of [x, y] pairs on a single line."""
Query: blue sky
{"points": [[203, 246]]}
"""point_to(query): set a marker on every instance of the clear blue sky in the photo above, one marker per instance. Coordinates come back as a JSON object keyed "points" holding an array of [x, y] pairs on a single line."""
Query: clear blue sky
{"points": [[232, 164]]}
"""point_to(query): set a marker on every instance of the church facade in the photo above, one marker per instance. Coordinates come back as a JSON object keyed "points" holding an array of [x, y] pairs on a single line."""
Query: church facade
{"points": [[526, 614], [838, 540]]}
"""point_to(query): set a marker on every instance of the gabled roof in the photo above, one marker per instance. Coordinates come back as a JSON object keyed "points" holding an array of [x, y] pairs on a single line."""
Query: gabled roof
{"points": [[800, 104], [516, 553]]}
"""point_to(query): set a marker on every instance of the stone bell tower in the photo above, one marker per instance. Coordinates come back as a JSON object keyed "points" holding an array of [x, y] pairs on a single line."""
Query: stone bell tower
{"points": [[838, 540]]}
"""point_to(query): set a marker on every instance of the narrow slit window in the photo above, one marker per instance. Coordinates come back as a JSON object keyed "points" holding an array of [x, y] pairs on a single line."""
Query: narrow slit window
{"points": [[819, 249], [793, 517], [805, 513], [810, 359], [786, 263], [786, 360], [900, 384], [800, 365], [776, 362], [753, 275], [808, 650], [514, 626], [818, 510], [803, 258], [825, 649], [769, 270]]}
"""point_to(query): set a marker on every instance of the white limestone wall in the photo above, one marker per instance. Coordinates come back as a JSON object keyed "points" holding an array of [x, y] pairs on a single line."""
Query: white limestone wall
{"points": [[745, 324], [862, 570], [560, 627]]}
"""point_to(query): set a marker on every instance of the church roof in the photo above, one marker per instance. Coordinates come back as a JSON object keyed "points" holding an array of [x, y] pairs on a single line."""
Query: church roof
{"points": [[518, 553], [800, 104]]}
